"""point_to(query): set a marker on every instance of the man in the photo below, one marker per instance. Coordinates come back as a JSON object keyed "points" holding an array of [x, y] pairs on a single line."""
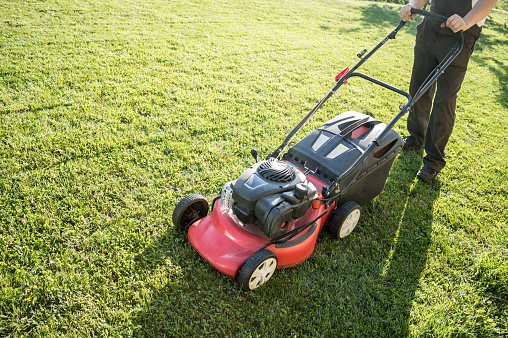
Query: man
{"points": [[430, 122]]}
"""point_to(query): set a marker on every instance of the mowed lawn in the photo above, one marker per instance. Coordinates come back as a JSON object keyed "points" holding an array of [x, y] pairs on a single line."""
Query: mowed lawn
{"points": [[112, 111]]}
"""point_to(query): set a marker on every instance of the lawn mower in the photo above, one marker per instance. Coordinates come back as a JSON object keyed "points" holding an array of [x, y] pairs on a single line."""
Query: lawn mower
{"points": [[271, 215]]}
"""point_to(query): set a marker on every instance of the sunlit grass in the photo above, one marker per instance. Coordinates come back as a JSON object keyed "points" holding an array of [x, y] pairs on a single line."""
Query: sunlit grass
{"points": [[111, 112]]}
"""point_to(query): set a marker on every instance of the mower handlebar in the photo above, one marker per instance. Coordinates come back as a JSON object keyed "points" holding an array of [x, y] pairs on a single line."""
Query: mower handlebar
{"points": [[428, 82], [459, 34], [429, 14], [432, 78]]}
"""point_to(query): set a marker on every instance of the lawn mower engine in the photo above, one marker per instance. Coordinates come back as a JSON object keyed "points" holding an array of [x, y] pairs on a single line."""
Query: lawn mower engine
{"points": [[269, 194]]}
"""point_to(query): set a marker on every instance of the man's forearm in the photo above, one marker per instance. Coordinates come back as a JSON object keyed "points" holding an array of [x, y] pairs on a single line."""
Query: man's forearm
{"points": [[480, 10], [418, 3]]}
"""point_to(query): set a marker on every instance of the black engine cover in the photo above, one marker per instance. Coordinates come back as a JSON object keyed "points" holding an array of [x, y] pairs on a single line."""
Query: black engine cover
{"points": [[270, 194]]}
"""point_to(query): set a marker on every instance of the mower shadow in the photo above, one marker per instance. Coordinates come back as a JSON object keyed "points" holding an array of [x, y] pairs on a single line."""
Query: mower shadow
{"points": [[366, 287], [399, 278], [369, 283]]}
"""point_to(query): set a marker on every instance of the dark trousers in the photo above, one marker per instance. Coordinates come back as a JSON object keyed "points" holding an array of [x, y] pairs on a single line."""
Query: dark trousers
{"points": [[432, 118]]}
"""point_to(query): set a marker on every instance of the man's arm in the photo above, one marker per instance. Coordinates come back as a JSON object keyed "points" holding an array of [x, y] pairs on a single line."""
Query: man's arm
{"points": [[480, 10], [405, 11]]}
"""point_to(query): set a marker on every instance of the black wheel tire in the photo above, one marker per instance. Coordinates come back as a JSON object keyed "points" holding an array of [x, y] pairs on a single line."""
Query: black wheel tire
{"points": [[190, 209], [344, 219], [257, 270]]}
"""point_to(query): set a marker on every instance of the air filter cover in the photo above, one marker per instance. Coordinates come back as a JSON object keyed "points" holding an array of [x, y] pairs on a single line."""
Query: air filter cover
{"points": [[276, 171]]}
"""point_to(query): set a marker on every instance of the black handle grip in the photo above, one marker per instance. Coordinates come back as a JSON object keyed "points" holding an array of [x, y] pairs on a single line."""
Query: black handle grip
{"points": [[429, 14], [459, 34]]}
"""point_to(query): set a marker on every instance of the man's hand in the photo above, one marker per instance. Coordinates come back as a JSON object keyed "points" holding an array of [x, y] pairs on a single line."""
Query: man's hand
{"points": [[455, 23], [405, 13]]}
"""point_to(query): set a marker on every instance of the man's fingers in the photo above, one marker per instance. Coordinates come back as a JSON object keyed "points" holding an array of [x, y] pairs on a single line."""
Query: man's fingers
{"points": [[405, 13], [455, 23]]}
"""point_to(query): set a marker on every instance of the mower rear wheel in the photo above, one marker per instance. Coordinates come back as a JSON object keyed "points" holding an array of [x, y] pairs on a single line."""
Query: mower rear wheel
{"points": [[190, 209], [257, 270], [344, 219]]}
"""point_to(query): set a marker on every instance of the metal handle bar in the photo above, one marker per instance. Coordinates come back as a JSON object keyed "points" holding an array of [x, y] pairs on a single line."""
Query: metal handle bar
{"points": [[334, 187], [279, 150], [429, 14]]}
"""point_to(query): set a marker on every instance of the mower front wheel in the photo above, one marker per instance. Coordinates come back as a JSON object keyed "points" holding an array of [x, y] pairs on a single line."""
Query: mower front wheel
{"points": [[257, 270], [344, 219], [191, 208]]}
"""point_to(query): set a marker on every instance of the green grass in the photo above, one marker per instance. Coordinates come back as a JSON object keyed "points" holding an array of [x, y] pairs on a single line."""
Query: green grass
{"points": [[502, 4], [111, 112]]}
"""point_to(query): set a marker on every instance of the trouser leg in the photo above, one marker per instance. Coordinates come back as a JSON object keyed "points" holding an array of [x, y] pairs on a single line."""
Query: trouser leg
{"points": [[442, 117], [418, 117], [432, 123]]}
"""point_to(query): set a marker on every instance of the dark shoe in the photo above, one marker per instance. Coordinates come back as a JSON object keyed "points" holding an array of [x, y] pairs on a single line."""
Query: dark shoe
{"points": [[426, 174], [410, 143]]}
